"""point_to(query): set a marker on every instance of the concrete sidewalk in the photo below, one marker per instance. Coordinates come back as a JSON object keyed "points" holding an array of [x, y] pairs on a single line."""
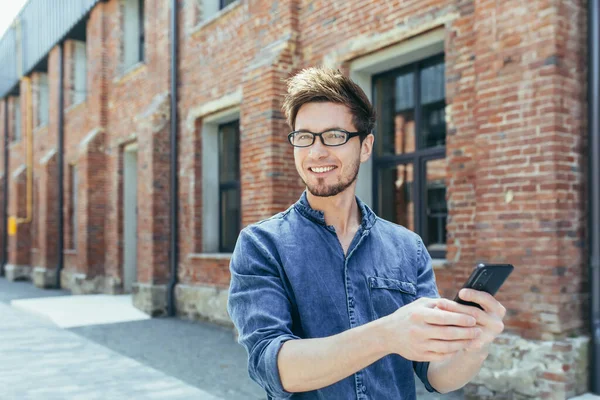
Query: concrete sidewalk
{"points": [[39, 360]]}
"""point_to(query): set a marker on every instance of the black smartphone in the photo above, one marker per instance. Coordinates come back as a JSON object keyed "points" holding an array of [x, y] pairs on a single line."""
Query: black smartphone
{"points": [[486, 278]]}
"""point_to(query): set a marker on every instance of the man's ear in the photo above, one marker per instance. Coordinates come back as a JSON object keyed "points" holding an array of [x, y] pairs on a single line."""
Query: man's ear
{"points": [[366, 149]]}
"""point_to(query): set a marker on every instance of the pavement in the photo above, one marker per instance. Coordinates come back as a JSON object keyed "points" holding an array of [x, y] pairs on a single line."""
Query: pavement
{"points": [[54, 347]]}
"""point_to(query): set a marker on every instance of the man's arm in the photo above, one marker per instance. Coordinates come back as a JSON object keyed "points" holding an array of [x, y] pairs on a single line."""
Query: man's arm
{"points": [[310, 364]]}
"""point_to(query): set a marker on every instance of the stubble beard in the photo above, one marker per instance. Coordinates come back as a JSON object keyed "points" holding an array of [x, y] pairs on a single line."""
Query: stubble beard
{"points": [[322, 190]]}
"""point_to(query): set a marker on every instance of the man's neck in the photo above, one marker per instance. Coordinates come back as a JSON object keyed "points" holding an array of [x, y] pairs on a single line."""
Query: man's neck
{"points": [[341, 211]]}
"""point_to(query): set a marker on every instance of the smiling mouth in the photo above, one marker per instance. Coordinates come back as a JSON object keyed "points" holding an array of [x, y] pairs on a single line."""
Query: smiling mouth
{"points": [[321, 170]]}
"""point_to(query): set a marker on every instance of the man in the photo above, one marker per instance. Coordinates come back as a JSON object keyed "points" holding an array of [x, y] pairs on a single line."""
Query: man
{"points": [[332, 302]]}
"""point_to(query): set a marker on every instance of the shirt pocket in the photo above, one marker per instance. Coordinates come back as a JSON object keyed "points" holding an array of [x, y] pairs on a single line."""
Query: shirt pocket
{"points": [[387, 295]]}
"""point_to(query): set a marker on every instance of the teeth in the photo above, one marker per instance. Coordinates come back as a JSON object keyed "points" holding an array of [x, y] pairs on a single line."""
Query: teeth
{"points": [[321, 170]]}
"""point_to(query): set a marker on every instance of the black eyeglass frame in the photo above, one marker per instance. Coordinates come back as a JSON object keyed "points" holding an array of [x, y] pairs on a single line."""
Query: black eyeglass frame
{"points": [[349, 135]]}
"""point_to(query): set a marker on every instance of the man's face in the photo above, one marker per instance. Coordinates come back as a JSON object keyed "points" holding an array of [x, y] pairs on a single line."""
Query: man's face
{"points": [[325, 170]]}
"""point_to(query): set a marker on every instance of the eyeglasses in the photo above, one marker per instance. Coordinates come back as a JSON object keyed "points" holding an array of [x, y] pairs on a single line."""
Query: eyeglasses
{"points": [[331, 137]]}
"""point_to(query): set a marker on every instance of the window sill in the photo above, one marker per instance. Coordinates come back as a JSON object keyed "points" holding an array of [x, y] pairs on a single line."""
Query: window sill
{"points": [[74, 106], [129, 73], [209, 21], [209, 256], [439, 263]]}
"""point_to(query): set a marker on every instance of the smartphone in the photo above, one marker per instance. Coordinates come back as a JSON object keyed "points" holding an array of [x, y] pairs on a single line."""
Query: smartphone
{"points": [[486, 278]]}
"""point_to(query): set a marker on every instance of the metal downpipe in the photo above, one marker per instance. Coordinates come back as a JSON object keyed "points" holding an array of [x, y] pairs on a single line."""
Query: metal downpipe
{"points": [[594, 187], [174, 187], [5, 194], [61, 149]]}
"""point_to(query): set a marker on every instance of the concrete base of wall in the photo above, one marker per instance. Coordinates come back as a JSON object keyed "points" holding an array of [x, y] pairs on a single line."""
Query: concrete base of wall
{"points": [[17, 272], [79, 283], [526, 369], [151, 299], [204, 303], [44, 278]]}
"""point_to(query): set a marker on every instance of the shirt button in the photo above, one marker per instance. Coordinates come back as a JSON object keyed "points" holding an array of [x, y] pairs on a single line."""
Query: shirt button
{"points": [[351, 302], [363, 389]]}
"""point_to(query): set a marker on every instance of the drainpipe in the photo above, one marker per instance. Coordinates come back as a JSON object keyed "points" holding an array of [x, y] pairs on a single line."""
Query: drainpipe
{"points": [[174, 199], [61, 140], [594, 185], [5, 198]]}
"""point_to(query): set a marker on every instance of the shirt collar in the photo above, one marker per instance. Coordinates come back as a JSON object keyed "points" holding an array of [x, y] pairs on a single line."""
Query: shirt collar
{"points": [[304, 208]]}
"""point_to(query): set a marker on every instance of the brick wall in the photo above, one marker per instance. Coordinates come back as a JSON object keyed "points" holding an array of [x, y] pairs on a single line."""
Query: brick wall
{"points": [[515, 142]]}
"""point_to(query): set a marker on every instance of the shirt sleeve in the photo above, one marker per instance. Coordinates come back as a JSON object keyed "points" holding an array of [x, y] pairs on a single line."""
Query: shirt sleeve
{"points": [[260, 310], [426, 287]]}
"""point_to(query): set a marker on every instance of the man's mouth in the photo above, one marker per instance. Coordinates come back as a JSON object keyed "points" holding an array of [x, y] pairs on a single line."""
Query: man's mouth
{"points": [[322, 170]]}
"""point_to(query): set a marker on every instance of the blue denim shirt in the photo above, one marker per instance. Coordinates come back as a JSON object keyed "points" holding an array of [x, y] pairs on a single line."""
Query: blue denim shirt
{"points": [[291, 280]]}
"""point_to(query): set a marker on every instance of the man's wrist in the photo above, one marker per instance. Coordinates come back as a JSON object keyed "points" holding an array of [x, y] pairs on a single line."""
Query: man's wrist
{"points": [[382, 336]]}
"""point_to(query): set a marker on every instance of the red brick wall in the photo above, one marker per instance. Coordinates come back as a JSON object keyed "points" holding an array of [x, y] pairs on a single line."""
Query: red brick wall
{"points": [[516, 119]]}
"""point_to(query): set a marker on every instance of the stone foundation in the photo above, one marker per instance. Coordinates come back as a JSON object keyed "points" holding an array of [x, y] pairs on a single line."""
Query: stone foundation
{"points": [[151, 299], [204, 303], [17, 272], [44, 278], [79, 283], [525, 369]]}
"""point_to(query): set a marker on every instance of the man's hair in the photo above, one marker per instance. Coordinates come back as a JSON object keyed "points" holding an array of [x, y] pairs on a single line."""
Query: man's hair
{"points": [[322, 84]]}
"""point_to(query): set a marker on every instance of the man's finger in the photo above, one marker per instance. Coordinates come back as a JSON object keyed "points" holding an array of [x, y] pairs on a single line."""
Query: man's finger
{"points": [[448, 346], [456, 333], [443, 317], [481, 316], [484, 299]]}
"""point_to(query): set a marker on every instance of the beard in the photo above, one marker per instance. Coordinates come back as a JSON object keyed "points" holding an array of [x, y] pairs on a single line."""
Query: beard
{"points": [[321, 189]]}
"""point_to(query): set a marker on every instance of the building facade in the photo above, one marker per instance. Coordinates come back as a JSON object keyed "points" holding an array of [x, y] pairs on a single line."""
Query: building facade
{"points": [[480, 148]]}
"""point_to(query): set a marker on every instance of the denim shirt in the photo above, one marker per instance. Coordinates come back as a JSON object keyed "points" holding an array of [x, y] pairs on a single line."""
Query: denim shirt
{"points": [[291, 280]]}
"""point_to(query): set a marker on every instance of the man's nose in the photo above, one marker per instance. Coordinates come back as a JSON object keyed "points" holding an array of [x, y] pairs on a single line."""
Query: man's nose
{"points": [[318, 149]]}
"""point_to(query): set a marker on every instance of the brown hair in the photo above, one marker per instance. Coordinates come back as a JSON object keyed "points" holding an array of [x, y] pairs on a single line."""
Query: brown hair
{"points": [[322, 84]]}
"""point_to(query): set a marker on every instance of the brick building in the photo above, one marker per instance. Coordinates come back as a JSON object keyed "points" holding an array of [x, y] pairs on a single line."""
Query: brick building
{"points": [[480, 148]]}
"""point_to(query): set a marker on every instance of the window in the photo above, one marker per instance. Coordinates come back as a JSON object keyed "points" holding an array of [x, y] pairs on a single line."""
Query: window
{"points": [[409, 155], [43, 100], [17, 119], [73, 182], [79, 73], [203, 10], [225, 3], [229, 185], [133, 32]]}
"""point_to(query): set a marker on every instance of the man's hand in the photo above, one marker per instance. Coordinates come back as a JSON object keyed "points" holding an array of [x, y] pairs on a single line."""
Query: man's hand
{"points": [[428, 330], [489, 320]]}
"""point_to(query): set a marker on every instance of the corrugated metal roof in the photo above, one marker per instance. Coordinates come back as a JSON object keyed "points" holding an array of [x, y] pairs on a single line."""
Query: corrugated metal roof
{"points": [[41, 25]]}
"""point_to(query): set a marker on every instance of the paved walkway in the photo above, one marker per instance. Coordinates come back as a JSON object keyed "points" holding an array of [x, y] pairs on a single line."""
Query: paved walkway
{"points": [[39, 360]]}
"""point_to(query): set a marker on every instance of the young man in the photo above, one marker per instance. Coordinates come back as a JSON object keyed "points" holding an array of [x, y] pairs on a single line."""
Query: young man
{"points": [[333, 302]]}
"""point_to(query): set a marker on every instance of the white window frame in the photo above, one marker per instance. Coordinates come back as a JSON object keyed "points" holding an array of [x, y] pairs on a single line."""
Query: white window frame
{"points": [[79, 72], [210, 177], [43, 103]]}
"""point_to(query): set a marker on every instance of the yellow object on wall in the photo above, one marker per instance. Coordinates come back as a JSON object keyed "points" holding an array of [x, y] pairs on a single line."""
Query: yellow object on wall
{"points": [[12, 226]]}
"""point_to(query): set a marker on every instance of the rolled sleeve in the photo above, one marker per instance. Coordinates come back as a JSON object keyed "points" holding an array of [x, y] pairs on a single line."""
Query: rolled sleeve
{"points": [[426, 287], [260, 310]]}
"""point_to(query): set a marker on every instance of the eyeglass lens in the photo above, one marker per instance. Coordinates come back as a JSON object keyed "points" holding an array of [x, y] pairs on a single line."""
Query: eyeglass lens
{"points": [[331, 138]]}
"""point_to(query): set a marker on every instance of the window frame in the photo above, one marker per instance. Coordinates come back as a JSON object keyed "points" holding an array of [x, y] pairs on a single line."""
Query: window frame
{"points": [[418, 158], [17, 122], [228, 185]]}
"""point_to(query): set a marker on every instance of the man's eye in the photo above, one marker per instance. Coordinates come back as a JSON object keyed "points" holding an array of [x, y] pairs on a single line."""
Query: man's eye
{"points": [[304, 136]]}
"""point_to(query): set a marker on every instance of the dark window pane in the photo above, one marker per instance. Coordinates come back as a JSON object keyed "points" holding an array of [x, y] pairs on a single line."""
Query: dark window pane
{"points": [[225, 3], [405, 93], [230, 219], [433, 84], [395, 195], [437, 210], [395, 111], [433, 128], [229, 152]]}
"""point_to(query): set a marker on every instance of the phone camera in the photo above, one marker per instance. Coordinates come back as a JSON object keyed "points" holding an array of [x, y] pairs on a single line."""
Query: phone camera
{"points": [[479, 285]]}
